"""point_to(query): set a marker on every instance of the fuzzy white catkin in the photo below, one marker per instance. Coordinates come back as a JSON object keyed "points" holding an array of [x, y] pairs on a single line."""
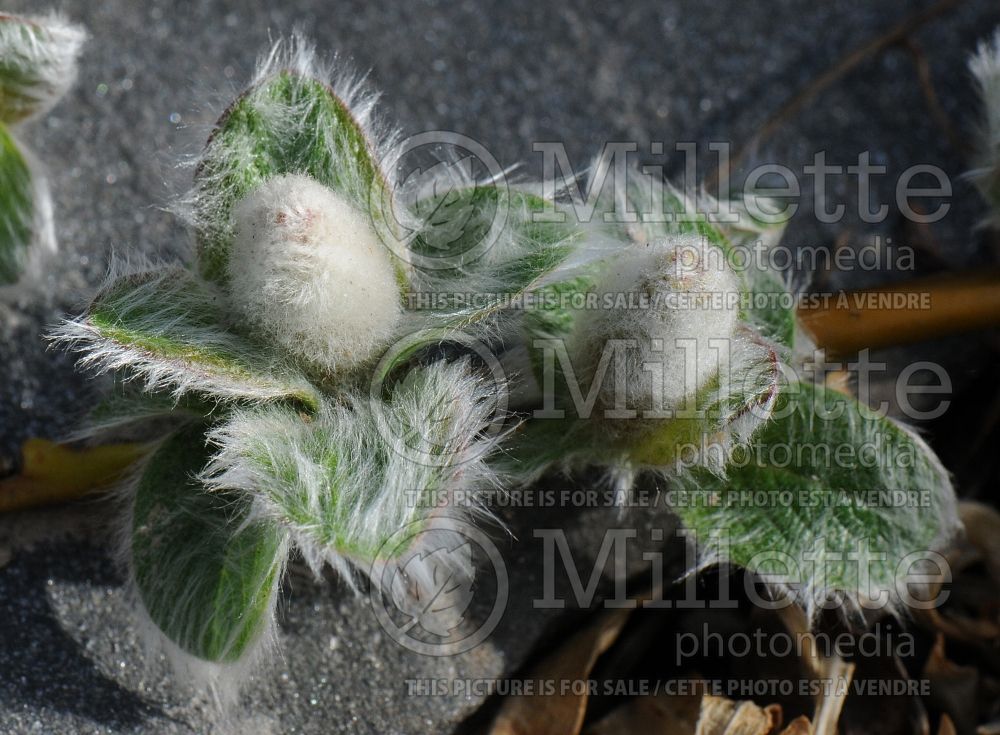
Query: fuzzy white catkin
{"points": [[308, 272], [669, 302]]}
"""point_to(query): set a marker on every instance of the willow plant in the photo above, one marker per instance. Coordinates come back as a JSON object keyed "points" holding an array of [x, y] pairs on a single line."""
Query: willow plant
{"points": [[296, 376]]}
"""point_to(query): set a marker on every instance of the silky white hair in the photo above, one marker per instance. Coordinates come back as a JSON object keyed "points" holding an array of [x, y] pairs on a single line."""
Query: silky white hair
{"points": [[662, 309], [364, 467], [307, 272], [171, 303]]}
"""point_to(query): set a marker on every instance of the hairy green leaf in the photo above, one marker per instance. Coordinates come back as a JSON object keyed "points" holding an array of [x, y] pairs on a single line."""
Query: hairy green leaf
{"points": [[652, 209], [772, 309], [552, 316], [127, 411], [169, 328], [365, 466], [487, 242], [828, 477], [207, 575]]}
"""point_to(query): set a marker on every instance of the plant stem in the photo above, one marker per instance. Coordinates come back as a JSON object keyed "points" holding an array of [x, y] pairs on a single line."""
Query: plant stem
{"points": [[909, 312]]}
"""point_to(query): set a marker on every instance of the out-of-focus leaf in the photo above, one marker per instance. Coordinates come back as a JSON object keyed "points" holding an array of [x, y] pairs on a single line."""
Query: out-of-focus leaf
{"points": [[37, 63], [946, 726], [651, 715], [721, 716], [17, 208], [953, 688], [974, 597], [562, 713], [982, 530], [54, 473]]}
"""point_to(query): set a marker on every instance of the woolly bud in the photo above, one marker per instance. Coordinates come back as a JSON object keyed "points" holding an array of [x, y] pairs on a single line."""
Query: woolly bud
{"points": [[308, 272], [37, 64], [665, 312]]}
